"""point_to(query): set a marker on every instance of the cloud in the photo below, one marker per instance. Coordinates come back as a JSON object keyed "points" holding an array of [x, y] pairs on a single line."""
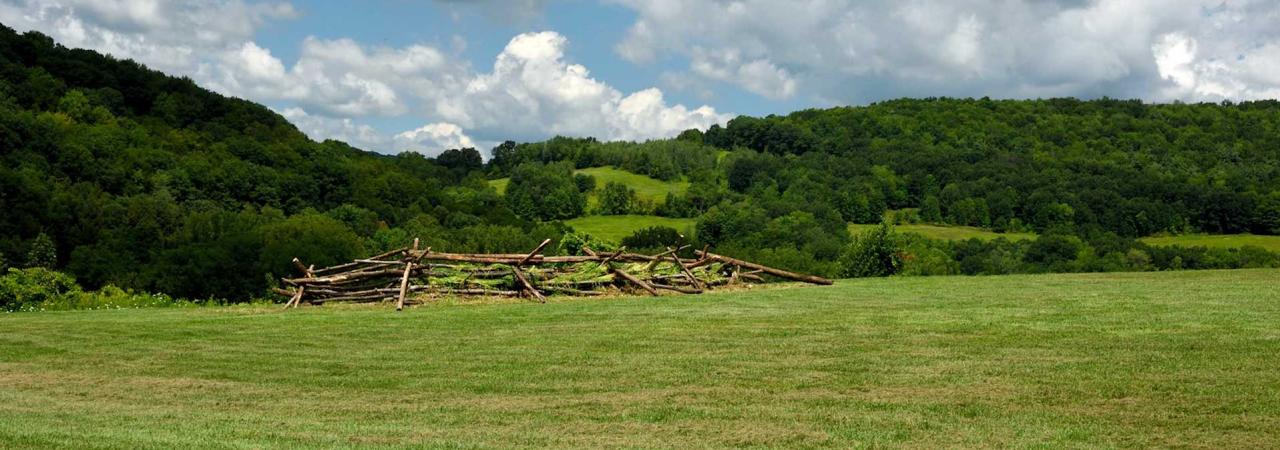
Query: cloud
{"points": [[532, 91], [342, 129], [759, 75], [432, 139], [846, 51], [168, 36]]}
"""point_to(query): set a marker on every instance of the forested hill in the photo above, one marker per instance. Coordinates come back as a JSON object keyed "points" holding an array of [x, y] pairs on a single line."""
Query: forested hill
{"points": [[1121, 166], [121, 175], [1128, 167], [144, 180]]}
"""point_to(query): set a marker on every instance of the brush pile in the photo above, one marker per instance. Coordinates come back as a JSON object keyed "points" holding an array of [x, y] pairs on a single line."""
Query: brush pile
{"points": [[408, 274]]}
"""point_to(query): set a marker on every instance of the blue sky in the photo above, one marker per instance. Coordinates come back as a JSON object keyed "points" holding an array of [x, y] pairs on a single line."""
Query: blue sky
{"points": [[400, 75]]}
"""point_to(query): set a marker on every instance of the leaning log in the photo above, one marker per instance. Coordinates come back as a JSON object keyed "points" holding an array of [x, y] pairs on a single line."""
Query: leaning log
{"points": [[526, 285], [769, 270], [404, 286], [635, 281]]}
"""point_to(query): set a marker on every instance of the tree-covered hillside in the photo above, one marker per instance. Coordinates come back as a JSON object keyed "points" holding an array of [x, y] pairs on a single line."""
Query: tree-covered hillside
{"points": [[148, 181], [121, 175]]}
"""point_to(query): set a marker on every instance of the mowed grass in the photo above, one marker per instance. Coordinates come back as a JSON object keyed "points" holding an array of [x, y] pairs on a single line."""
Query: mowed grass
{"points": [[648, 189], [945, 232], [614, 228], [1171, 359], [1217, 240]]}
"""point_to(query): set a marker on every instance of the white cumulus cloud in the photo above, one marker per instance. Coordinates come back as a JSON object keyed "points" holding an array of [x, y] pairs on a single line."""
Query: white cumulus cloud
{"points": [[533, 91], [432, 139], [852, 51]]}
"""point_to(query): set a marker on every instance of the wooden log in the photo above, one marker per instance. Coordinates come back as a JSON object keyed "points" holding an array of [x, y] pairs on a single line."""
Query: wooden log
{"points": [[473, 291], [697, 284], [769, 270], [404, 282], [356, 298], [527, 286], [636, 281], [379, 262], [659, 257], [699, 263], [572, 291], [293, 298], [352, 265], [534, 252], [682, 290], [614, 255]]}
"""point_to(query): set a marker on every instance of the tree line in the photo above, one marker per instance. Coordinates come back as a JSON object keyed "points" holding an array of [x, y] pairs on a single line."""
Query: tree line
{"points": [[120, 175]]}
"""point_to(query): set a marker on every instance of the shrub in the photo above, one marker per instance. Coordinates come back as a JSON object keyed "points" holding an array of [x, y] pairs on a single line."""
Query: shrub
{"points": [[545, 192], [617, 199], [872, 254], [27, 289], [652, 238], [573, 242], [586, 182], [111, 297]]}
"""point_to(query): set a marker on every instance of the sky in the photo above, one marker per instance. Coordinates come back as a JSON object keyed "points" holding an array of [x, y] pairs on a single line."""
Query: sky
{"points": [[425, 76]]}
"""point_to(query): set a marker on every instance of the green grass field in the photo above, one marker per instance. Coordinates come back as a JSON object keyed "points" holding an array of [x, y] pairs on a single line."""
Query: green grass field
{"points": [[649, 189], [1171, 359], [945, 232], [614, 228], [1217, 240]]}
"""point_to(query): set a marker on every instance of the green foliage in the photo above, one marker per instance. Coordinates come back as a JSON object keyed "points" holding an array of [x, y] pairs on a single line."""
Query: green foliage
{"points": [[42, 253], [312, 238], [616, 199], [1054, 252], [124, 176], [655, 238], [26, 289], [873, 254], [545, 191], [586, 182], [573, 242], [150, 183], [614, 228], [40, 289], [461, 161]]}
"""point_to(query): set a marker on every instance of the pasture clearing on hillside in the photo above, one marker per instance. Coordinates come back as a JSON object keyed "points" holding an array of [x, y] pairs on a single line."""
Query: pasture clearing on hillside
{"points": [[614, 228], [1271, 243], [647, 188], [944, 232], [1080, 360]]}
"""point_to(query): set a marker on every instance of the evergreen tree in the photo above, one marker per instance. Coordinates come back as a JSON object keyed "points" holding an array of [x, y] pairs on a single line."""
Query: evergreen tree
{"points": [[42, 253]]}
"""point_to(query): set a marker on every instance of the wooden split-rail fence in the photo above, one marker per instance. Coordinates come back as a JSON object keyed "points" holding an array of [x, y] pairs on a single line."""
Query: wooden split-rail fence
{"points": [[406, 275]]}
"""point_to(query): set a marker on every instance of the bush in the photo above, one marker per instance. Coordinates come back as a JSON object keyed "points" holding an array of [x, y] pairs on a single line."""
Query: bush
{"points": [[872, 254], [27, 289], [111, 297], [617, 199], [586, 182], [573, 242], [545, 192], [652, 238]]}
